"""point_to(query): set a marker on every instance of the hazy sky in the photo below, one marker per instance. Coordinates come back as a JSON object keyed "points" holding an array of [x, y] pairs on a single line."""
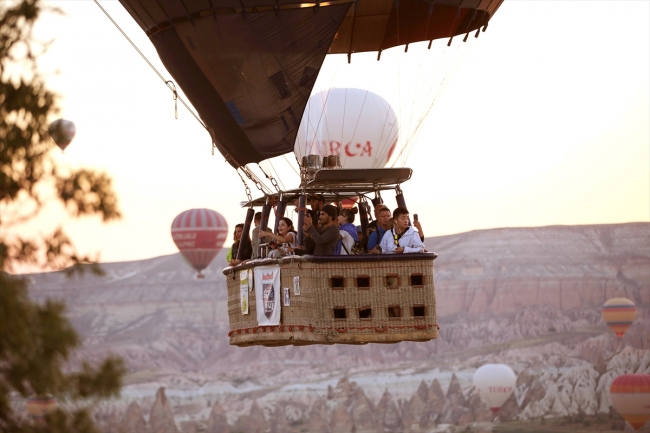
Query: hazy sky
{"points": [[545, 121]]}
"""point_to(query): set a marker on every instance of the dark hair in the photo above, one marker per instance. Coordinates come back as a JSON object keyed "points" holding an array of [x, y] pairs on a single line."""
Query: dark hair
{"points": [[258, 216], [238, 226], [384, 209], [400, 211], [348, 214], [289, 224]]}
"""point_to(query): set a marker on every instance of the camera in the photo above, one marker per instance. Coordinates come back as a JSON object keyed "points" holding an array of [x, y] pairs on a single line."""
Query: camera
{"points": [[273, 244], [378, 248]]}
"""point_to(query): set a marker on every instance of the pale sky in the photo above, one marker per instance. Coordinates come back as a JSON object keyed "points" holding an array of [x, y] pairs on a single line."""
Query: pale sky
{"points": [[545, 121]]}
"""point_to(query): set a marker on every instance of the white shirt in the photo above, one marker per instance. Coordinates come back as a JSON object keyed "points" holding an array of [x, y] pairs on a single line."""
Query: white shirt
{"points": [[348, 241], [410, 240]]}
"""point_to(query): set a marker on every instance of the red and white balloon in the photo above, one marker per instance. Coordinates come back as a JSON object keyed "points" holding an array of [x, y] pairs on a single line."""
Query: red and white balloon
{"points": [[199, 234]]}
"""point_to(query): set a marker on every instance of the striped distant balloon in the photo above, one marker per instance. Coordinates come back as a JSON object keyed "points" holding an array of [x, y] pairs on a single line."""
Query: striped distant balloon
{"points": [[39, 407], [619, 313], [199, 234], [630, 394]]}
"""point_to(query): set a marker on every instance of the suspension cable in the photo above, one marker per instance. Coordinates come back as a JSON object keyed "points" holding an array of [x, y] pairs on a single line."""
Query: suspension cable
{"points": [[168, 83]]}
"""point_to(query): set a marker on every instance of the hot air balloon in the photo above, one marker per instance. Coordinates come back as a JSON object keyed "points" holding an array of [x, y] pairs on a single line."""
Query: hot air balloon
{"points": [[38, 407], [630, 394], [62, 132], [249, 67], [358, 125], [494, 384], [199, 234], [619, 313]]}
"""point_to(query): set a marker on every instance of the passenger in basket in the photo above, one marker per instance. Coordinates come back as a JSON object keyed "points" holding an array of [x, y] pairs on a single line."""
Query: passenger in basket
{"points": [[232, 254], [402, 238], [285, 240], [346, 222], [383, 226], [255, 241], [317, 203], [326, 238]]}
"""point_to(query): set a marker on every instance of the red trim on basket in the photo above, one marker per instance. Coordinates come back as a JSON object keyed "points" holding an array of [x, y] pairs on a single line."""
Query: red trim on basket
{"points": [[342, 330], [378, 329], [310, 328]]}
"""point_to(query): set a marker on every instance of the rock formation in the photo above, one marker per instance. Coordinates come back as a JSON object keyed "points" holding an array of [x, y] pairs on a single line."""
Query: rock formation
{"points": [[133, 420], [161, 419]]}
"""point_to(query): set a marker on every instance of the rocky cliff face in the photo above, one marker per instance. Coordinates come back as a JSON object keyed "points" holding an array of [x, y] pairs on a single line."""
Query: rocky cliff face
{"points": [[528, 297]]}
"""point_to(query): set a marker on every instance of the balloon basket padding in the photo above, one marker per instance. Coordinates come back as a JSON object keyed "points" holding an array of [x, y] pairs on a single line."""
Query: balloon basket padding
{"points": [[397, 289]]}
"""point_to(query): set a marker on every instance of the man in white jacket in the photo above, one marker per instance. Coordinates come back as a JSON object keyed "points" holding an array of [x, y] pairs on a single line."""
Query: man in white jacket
{"points": [[402, 238]]}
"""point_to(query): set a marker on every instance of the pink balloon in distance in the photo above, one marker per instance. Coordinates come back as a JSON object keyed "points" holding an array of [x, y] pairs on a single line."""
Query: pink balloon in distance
{"points": [[199, 235]]}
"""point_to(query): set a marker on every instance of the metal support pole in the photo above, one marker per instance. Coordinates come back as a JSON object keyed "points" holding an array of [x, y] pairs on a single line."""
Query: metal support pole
{"points": [[399, 198], [279, 214], [301, 218], [245, 241], [363, 215], [264, 222]]}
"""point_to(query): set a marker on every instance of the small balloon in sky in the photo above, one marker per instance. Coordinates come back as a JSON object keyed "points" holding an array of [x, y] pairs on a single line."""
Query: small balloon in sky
{"points": [[38, 407], [62, 132], [630, 395], [494, 383], [619, 313], [199, 234]]}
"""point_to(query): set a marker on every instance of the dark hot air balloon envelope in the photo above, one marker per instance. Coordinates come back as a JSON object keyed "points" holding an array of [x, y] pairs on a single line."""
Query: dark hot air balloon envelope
{"points": [[62, 132]]}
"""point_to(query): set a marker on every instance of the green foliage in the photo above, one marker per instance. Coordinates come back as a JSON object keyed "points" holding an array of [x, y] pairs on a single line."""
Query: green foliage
{"points": [[36, 339]]}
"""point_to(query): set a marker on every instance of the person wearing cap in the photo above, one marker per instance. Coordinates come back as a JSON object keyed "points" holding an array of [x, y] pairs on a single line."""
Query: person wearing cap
{"points": [[326, 238], [402, 238]]}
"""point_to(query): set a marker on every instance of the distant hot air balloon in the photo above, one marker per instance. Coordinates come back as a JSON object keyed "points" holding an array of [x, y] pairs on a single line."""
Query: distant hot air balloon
{"points": [[630, 395], [199, 234], [619, 313], [62, 132], [38, 407], [358, 125], [494, 384]]}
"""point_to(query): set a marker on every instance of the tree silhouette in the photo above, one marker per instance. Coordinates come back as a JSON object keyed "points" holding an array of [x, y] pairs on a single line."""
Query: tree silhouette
{"points": [[36, 339]]}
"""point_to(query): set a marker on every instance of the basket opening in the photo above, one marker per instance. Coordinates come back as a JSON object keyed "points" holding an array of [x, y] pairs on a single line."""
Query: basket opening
{"points": [[419, 311], [392, 281], [394, 311], [339, 313], [365, 313], [363, 281], [417, 280], [337, 282]]}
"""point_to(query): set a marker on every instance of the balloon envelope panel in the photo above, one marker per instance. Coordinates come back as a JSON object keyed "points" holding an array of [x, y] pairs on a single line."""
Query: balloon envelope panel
{"points": [[619, 313], [630, 394], [356, 124], [494, 384]]}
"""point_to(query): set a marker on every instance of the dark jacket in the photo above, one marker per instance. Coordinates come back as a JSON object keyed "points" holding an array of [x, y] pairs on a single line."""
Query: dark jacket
{"points": [[325, 241]]}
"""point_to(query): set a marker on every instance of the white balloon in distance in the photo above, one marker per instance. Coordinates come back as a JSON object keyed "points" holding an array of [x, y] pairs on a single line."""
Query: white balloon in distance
{"points": [[356, 124], [494, 384]]}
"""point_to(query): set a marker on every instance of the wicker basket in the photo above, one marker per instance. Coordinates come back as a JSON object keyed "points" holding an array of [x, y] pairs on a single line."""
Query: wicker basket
{"points": [[343, 299]]}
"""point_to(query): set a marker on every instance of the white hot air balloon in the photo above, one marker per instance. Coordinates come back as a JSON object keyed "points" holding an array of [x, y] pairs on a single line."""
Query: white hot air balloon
{"points": [[358, 125], [494, 384]]}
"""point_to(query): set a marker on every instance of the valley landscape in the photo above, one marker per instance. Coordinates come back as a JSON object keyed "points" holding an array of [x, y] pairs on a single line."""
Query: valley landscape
{"points": [[526, 297]]}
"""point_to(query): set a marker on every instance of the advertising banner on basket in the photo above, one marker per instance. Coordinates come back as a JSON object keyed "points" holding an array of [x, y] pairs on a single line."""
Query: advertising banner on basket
{"points": [[267, 295], [243, 291]]}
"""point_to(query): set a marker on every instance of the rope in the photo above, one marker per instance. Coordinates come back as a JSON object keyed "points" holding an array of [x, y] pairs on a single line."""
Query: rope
{"points": [[168, 83]]}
